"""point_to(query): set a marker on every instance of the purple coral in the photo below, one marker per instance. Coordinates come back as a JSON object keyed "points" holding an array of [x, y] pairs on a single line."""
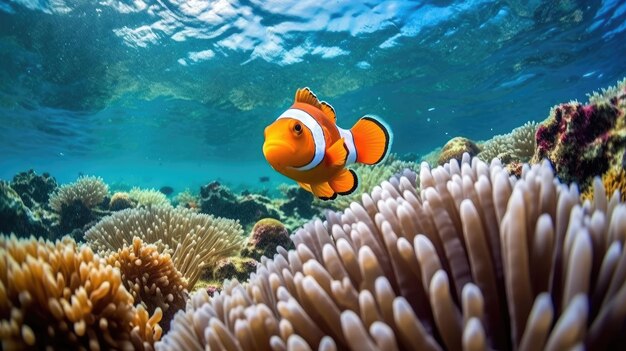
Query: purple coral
{"points": [[582, 141]]}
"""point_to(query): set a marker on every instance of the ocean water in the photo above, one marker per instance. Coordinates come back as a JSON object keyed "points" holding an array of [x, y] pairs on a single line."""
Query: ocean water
{"points": [[154, 93]]}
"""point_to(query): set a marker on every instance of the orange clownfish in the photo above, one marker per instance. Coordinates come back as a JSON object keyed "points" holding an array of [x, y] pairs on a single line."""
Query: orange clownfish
{"points": [[306, 145]]}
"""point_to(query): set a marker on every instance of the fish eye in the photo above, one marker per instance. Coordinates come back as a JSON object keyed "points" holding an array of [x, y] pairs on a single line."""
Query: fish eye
{"points": [[297, 128]]}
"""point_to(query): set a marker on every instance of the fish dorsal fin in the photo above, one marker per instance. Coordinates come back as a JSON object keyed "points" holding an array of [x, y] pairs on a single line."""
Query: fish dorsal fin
{"points": [[306, 96], [328, 110]]}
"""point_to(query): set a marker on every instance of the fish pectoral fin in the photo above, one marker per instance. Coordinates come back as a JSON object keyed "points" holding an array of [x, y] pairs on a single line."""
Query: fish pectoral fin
{"points": [[305, 186], [329, 111], [337, 154], [345, 182], [306, 96], [323, 191]]}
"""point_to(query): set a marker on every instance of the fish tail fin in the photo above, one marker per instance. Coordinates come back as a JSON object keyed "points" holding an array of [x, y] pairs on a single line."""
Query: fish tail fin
{"points": [[372, 140]]}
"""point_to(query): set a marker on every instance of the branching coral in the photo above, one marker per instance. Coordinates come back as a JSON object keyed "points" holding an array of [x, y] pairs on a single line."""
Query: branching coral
{"points": [[61, 296], [195, 241], [151, 278], [517, 146], [148, 197], [90, 191], [474, 260]]}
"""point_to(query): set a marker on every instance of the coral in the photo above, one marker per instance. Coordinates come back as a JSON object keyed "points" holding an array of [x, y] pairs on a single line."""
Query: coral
{"points": [[613, 180], [61, 296], [455, 148], [476, 259], [522, 142], [148, 197], [195, 241], [583, 141], [89, 191], [186, 199], [33, 188], [120, 201], [152, 279], [218, 200], [515, 147], [267, 234], [234, 268]]}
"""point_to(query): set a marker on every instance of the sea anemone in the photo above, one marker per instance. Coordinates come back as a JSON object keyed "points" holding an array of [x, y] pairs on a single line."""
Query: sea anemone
{"points": [[195, 241], [474, 260], [152, 279], [90, 191], [369, 177], [62, 296]]}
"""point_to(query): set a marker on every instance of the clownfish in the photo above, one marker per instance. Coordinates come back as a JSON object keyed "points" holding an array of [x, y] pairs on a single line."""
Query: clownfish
{"points": [[305, 144]]}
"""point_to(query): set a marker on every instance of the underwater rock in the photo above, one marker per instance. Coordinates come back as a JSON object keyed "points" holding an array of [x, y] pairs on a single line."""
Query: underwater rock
{"points": [[583, 141], [234, 267], [218, 200], [267, 234], [33, 188], [299, 202], [455, 148], [76, 218], [613, 180], [16, 217]]}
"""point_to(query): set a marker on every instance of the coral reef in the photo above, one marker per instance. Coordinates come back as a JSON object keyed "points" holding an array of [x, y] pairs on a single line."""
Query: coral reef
{"points": [[148, 197], [474, 260], [76, 203], [613, 180], [455, 148], [152, 279], [583, 141], [186, 199], [218, 200], [61, 296], [32, 188], [518, 146], [234, 268], [16, 217], [267, 234], [120, 201], [88, 191], [196, 242]]}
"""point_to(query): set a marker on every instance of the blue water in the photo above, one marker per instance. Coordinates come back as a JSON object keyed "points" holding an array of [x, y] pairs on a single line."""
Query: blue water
{"points": [[178, 92]]}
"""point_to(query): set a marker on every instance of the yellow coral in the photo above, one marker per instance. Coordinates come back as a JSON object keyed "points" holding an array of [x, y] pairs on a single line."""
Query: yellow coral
{"points": [[62, 296], [613, 180]]}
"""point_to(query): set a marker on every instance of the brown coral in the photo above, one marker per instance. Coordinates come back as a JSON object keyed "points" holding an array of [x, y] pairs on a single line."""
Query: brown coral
{"points": [[89, 191], [266, 235], [151, 278], [195, 241], [474, 260], [455, 148], [61, 296]]}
